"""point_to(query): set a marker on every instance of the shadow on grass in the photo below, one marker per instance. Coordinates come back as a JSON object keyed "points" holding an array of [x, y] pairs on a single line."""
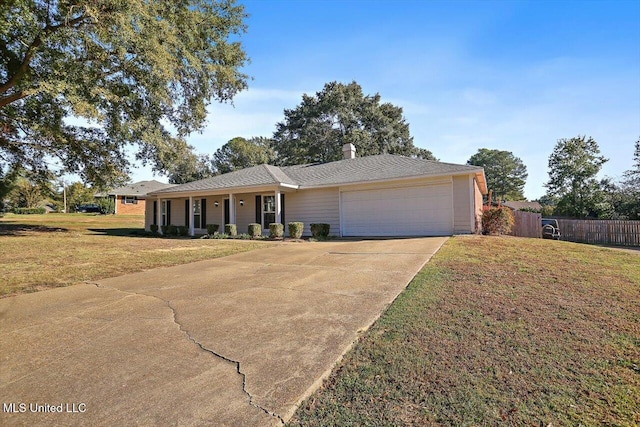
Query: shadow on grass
{"points": [[22, 229], [120, 232]]}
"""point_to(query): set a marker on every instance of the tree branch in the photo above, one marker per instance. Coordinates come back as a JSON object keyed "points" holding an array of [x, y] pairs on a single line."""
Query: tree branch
{"points": [[13, 97], [35, 44]]}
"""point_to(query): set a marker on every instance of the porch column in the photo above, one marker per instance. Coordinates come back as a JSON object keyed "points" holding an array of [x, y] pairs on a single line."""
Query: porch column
{"points": [[159, 214], [115, 204], [191, 217], [278, 207], [232, 209]]}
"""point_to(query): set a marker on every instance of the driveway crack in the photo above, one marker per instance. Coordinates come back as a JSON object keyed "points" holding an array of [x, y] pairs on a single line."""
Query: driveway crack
{"points": [[200, 346]]}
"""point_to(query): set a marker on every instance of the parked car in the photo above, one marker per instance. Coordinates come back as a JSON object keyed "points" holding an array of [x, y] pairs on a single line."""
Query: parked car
{"points": [[550, 229], [88, 208]]}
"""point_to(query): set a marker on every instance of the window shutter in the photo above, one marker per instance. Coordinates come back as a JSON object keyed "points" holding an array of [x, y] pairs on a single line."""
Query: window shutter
{"points": [[282, 208], [155, 212], [186, 212], [203, 213], [259, 209], [168, 212]]}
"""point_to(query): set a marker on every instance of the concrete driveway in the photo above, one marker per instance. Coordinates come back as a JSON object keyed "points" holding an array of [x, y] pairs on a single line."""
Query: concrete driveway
{"points": [[237, 341]]}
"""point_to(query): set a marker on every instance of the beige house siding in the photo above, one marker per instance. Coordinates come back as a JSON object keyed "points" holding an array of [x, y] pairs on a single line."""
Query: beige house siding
{"points": [[246, 214], [462, 209], [312, 206], [148, 214], [478, 206]]}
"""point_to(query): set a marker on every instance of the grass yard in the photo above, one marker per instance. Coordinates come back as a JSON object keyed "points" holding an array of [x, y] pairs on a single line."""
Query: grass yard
{"points": [[498, 331], [44, 251]]}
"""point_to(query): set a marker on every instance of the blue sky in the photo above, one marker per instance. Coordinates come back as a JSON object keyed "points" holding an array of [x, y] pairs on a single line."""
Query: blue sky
{"points": [[508, 75]]}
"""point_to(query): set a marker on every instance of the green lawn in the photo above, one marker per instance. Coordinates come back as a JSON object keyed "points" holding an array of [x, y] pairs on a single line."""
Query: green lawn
{"points": [[498, 331], [43, 251]]}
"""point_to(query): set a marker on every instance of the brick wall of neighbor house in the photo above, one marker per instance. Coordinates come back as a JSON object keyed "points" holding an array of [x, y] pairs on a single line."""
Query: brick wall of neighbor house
{"points": [[462, 205], [311, 206], [478, 206], [130, 208]]}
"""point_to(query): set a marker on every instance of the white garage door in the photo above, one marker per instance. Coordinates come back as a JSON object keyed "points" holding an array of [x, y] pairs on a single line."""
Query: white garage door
{"points": [[407, 211]]}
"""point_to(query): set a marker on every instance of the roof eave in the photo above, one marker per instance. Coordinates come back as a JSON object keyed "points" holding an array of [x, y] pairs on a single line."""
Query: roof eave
{"points": [[222, 191], [399, 179]]}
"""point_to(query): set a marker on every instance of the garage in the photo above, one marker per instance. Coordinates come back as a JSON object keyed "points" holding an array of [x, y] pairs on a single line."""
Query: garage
{"points": [[425, 210]]}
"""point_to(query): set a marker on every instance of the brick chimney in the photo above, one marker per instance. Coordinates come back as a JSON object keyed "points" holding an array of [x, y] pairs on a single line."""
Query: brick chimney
{"points": [[349, 151]]}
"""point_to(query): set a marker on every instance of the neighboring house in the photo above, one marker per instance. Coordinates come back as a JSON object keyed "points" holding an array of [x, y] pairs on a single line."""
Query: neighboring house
{"points": [[527, 206], [383, 195], [131, 199]]}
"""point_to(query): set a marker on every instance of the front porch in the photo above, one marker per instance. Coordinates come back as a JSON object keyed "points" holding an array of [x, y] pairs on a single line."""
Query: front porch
{"points": [[196, 211]]}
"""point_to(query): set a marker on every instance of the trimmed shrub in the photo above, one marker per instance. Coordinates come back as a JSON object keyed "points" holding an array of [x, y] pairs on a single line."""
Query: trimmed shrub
{"points": [[172, 230], [183, 230], [212, 228], [165, 230], [295, 229], [29, 211], [154, 228], [497, 221], [255, 230], [320, 230], [276, 230], [231, 230]]}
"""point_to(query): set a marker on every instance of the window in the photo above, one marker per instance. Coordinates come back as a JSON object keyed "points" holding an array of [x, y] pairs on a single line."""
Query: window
{"points": [[130, 200], [197, 210], [268, 210]]}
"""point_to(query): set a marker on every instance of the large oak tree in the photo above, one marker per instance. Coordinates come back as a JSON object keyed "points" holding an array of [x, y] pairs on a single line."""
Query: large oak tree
{"points": [[138, 73], [316, 130]]}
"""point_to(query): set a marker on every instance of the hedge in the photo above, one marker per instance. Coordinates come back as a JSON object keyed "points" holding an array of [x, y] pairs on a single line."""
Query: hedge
{"points": [[320, 230], [295, 229], [231, 229], [255, 230], [276, 230], [29, 211]]}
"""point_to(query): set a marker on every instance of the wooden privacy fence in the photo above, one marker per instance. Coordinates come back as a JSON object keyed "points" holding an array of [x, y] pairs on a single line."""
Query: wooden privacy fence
{"points": [[527, 224], [600, 231]]}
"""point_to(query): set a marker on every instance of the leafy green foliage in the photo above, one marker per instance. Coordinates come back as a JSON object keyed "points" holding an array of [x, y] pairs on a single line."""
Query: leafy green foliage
{"points": [[506, 174], [77, 194], [107, 206], [573, 167], [29, 194], [240, 153], [212, 228], [190, 167], [295, 229], [132, 69], [154, 228], [8, 179], [316, 130], [497, 221]]}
